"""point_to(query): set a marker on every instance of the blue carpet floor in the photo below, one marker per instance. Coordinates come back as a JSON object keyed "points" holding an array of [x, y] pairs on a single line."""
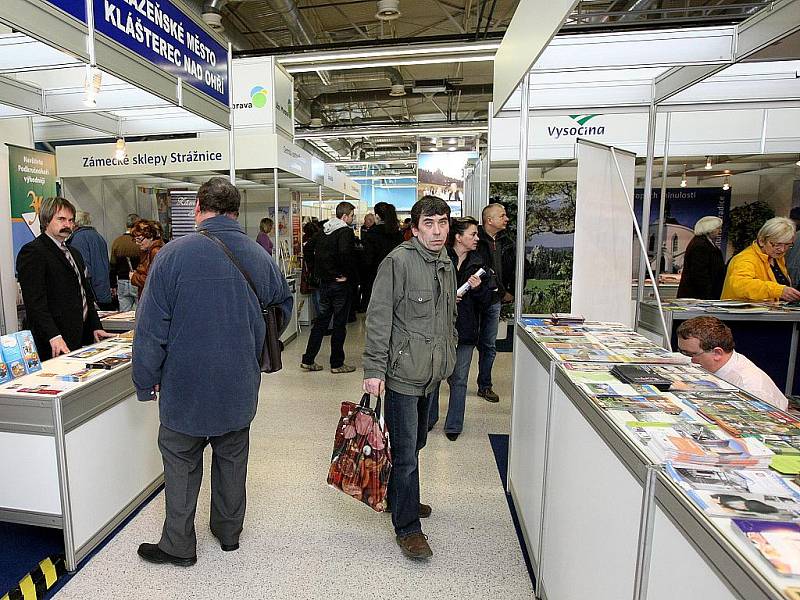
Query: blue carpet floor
{"points": [[500, 448]]}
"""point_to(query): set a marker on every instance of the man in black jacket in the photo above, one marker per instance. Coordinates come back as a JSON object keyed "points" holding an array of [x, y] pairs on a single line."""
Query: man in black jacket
{"points": [[334, 268], [59, 303], [490, 248]]}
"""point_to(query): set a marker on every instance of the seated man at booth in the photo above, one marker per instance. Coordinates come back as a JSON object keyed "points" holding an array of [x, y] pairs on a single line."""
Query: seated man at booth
{"points": [[709, 343]]}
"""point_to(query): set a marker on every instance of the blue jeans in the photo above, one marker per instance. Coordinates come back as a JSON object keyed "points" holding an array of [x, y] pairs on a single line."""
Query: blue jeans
{"points": [[454, 422], [126, 294], [334, 301], [487, 337], [407, 421]]}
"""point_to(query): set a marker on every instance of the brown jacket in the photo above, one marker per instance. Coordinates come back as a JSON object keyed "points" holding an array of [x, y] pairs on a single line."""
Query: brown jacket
{"points": [[146, 259]]}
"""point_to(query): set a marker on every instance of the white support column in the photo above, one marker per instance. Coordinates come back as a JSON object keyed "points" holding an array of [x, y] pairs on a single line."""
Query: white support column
{"points": [[231, 135], [648, 192], [663, 203], [275, 227], [522, 194]]}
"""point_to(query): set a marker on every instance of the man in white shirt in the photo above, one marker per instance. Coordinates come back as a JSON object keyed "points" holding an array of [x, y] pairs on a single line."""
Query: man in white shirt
{"points": [[709, 343]]}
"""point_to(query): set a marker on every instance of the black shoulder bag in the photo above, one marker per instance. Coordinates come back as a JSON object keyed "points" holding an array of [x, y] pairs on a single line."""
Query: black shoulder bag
{"points": [[270, 357]]}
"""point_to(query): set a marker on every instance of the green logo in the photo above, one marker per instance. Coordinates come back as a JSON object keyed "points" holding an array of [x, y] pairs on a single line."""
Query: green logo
{"points": [[259, 96], [582, 119]]}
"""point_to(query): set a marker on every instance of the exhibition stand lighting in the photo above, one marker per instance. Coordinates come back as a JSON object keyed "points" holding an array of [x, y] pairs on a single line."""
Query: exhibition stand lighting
{"points": [[120, 151], [91, 87], [727, 185], [708, 163], [683, 179]]}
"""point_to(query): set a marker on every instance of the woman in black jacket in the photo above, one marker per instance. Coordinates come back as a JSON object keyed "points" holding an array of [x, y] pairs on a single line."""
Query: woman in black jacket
{"points": [[461, 245], [378, 241], [703, 266]]}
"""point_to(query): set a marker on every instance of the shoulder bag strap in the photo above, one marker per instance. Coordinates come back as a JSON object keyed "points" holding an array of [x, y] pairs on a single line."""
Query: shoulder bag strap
{"points": [[235, 262]]}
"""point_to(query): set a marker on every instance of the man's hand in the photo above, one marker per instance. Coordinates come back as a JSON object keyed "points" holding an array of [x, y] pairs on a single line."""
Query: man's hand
{"points": [[341, 279], [99, 334], [790, 294], [374, 386], [508, 298], [154, 392], [58, 346]]}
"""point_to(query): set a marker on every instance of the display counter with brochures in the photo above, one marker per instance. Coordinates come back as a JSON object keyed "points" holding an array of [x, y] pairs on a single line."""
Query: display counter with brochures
{"points": [[628, 491], [80, 451], [765, 332]]}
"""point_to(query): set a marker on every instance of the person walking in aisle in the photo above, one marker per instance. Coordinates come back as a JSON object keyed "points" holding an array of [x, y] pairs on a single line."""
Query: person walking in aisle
{"points": [[334, 267], [124, 259], [265, 228], [410, 347], [199, 310], [490, 248], [461, 245], [381, 239], [94, 250], [55, 286]]}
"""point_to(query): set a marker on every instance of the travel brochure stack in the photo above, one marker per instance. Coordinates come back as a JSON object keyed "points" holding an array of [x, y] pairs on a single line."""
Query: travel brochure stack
{"points": [[726, 306], [64, 372], [729, 452], [18, 356]]}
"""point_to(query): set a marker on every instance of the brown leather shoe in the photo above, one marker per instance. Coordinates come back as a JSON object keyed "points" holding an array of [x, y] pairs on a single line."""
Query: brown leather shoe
{"points": [[415, 545], [424, 510]]}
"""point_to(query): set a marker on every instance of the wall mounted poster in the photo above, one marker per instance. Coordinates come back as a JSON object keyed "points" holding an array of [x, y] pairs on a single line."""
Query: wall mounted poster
{"points": [[684, 207], [32, 178], [442, 174]]}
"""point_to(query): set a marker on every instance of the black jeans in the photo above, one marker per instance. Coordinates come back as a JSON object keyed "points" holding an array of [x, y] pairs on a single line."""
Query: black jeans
{"points": [[407, 421], [334, 301]]}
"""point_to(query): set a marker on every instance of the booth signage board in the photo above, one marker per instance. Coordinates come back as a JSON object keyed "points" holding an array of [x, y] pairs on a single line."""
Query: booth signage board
{"points": [[334, 179], [283, 100], [294, 159], [253, 96], [32, 178], [162, 34], [181, 204], [352, 188], [76, 8]]}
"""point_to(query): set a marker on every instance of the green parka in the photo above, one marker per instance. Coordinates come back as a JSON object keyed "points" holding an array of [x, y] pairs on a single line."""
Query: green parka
{"points": [[411, 334]]}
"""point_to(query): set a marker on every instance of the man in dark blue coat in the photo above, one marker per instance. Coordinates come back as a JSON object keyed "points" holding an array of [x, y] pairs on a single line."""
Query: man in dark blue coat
{"points": [[199, 334], [94, 250]]}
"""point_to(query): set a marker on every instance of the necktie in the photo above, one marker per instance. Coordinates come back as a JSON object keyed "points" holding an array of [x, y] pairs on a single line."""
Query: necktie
{"points": [[71, 261]]}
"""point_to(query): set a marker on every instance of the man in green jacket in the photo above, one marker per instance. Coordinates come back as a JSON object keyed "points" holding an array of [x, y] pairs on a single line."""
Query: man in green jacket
{"points": [[410, 348]]}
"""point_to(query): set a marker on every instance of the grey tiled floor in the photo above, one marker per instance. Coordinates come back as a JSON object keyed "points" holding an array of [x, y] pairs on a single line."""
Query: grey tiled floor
{"points": [[304, 540]]}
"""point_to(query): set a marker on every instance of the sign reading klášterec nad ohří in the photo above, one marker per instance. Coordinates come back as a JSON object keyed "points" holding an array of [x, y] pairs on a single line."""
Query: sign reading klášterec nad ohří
{"points": [[161, 34], [32, 178], [76, 8]]}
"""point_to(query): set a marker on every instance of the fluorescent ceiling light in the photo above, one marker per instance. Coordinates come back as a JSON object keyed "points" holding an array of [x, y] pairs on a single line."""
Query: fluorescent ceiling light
{"points": [[398, 131], [387, 62], [393, 53]]}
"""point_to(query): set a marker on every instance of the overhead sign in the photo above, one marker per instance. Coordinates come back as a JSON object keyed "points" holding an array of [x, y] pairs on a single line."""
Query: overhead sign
{"points": [[76, 8], [32, 178], [284, 100], [162, 34], [263, 95]]}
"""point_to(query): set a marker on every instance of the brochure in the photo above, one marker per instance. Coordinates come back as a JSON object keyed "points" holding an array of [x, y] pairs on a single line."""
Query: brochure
{"points": [[777, 543], [715, 479], [29, 352], [12, 355]]}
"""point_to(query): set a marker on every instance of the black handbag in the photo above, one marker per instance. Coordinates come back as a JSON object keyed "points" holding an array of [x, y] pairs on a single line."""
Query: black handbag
{"points": [[270, 357]]}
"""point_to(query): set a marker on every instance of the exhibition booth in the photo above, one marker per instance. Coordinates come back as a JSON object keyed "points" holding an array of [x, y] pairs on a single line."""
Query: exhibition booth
{"points": [[703, 110], [84, 450]]}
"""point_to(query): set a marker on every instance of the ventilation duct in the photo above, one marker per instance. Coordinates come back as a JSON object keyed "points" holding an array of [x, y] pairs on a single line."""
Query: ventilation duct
{"points": [[388, 10], [342, 78]]}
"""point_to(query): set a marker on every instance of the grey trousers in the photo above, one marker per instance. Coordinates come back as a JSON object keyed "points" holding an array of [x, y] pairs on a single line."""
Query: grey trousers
{"points": [[183, 474]]}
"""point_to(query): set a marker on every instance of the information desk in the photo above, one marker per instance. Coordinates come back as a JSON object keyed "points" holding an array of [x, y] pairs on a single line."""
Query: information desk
{"points": [[599, 518], [81, 459], [769, 339], [115, 322]]}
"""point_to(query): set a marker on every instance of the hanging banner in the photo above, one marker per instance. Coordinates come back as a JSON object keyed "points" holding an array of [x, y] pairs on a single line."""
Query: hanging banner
{"points": [[442, 174], [32, 178], [76, 8], [162, 34], [181, 205]]}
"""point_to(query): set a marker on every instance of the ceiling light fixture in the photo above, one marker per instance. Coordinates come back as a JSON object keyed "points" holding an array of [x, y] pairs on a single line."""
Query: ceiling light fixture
{"points": [[683, 180], [798, 162], [388, 10], [91, 86], [120, 151], [708, 163], [727, 185]]}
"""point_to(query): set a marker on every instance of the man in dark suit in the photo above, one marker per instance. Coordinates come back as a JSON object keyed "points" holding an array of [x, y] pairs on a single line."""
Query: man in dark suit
{"points": [[59, 303]]}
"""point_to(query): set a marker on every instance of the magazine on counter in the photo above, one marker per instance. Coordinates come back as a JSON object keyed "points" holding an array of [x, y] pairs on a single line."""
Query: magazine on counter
{"points": [[80, 376], [744, 505], [110, 362], [715, 479], [777, 543]]}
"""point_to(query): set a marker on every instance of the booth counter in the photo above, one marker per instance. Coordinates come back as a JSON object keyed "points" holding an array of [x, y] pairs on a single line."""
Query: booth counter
{"points": [[768, 336], [85, 454], [599, 516]]}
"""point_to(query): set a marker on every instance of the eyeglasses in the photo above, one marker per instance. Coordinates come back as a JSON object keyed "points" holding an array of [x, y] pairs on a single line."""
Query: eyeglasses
{"points": [[781, 245], [138, 238], [693, 354]]}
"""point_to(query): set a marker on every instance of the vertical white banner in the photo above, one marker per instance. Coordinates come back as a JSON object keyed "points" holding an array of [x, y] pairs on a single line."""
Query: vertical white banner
{"points": [[602, 267]]}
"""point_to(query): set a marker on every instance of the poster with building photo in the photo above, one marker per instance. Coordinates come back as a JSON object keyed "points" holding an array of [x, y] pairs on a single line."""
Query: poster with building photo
{"points": [[683, 208], [442, 174]]}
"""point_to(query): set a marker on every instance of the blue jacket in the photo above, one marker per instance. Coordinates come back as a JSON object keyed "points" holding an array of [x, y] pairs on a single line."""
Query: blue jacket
{"points": [[199, 330], [94, 250]]}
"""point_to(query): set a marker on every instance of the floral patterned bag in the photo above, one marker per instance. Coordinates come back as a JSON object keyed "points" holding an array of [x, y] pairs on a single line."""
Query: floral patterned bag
{"points": [[362, 458]]}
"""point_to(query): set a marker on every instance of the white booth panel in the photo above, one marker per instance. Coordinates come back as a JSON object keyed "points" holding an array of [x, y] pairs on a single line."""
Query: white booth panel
{"points": [[585, 556], [677, 570], [103, 478], [528, 431], [30, 478]]}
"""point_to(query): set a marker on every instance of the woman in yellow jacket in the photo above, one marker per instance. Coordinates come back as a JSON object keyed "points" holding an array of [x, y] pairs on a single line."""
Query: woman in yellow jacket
{"points": [[759, 272]]}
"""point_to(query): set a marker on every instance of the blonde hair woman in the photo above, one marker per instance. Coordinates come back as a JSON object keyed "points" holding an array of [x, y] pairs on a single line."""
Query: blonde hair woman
{"points": [[759, 271]]}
